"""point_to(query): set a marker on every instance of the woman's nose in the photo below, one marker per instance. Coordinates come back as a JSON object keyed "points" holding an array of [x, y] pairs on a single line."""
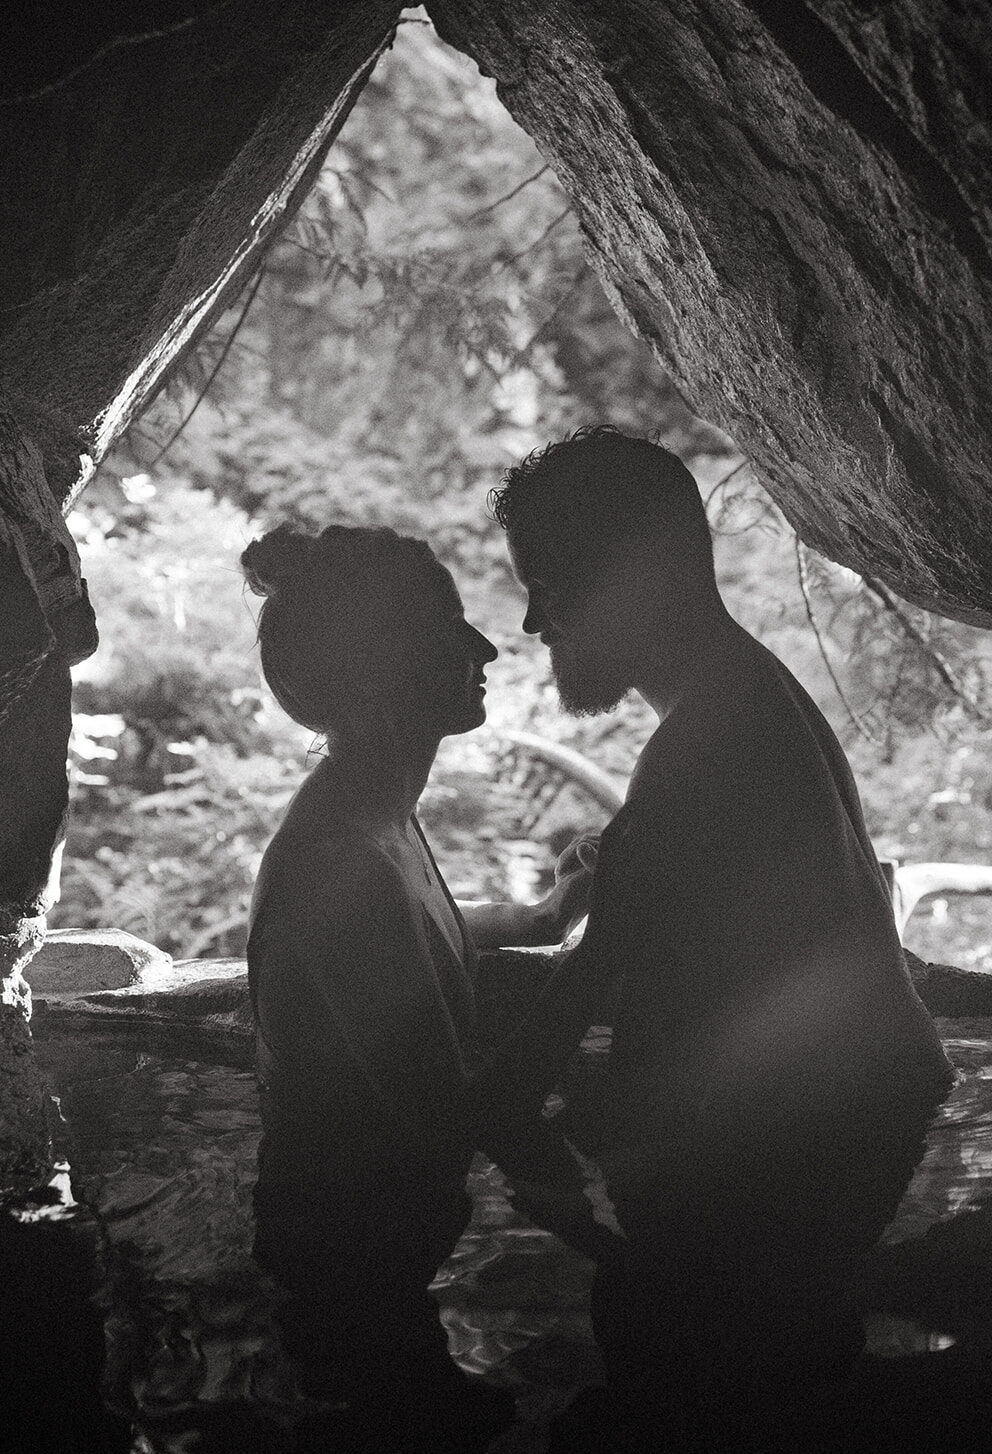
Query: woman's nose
{"points": [[484, 649]]}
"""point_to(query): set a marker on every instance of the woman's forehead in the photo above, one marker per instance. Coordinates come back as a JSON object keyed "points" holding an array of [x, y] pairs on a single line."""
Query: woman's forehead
{"points": [[442, 587]]}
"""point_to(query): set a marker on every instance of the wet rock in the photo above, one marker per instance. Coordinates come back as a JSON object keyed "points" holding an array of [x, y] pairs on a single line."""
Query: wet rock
{"points": [[949, 991], [202, 1019], [75, 961], [24, 1150]]}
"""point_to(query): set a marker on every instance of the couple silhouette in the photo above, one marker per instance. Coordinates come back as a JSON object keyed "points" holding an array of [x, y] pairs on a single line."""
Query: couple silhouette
{"points": [[772, 1071]]}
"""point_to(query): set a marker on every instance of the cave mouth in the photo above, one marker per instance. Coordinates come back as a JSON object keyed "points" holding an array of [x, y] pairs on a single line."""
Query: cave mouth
{"points": [[910, 664], [428, 317]]}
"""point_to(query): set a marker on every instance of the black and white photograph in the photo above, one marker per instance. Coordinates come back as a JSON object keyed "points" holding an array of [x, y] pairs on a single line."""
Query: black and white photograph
{"points": [[496, 727]]}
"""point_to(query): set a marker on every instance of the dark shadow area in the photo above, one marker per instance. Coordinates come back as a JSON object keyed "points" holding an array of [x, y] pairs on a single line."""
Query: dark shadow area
{"points": [[163, 1146]]}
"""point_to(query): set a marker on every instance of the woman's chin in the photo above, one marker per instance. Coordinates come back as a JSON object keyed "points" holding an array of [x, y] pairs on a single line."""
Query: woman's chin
{"points": [[468, 720]]}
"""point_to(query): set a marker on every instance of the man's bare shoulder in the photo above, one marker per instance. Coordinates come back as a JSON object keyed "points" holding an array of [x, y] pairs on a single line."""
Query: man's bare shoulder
{"points": [[754, 699], [750, 736]]}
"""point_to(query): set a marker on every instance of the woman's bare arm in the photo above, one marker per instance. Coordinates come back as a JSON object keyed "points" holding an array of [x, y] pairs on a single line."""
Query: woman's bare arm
{"points": [[502, 925]]}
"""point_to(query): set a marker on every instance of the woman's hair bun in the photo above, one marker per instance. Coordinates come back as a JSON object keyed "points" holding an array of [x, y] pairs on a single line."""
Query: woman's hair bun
{"points": [[277, 559]]}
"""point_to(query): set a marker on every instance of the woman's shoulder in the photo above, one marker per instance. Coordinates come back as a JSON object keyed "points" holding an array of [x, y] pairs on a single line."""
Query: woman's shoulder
{"points": [[324, 872], [334, 852]]}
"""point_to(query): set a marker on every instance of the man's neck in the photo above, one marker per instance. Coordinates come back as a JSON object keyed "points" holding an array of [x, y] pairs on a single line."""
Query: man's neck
{"points": [[695, 652]]}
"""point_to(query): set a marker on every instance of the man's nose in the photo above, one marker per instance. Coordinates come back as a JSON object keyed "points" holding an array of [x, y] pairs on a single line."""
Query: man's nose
{"points": [[533, 619]]}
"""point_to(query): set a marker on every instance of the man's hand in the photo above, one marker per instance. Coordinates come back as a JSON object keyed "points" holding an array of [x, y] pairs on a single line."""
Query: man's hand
{"points": [[582, 852], [568, 902]]}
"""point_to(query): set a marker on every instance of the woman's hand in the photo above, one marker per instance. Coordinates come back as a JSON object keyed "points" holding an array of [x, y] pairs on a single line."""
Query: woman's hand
{"points": [[582, 852], [551, 919]]}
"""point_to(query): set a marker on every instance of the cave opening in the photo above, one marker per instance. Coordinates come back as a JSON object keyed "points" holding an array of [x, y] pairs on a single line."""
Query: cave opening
{"points": [[491, 285], [462, 326]]}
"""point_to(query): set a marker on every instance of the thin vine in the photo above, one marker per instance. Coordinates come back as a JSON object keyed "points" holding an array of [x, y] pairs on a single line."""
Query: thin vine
{"points": [[228, 343], [801, 571]]}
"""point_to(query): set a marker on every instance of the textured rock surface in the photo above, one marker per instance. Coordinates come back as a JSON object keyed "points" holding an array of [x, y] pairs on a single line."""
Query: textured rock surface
{"points": [[201, 1007], [206, 1018], [75, 961], [949, 991], [147, 157], [790, 201], [25, 1158]]}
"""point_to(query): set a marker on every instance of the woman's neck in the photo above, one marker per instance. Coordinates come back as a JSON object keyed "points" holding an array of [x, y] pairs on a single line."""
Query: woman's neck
{"points": [[383, 783]]}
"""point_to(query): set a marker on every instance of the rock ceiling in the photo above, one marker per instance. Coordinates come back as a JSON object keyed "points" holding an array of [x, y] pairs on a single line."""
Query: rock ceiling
{"points": [[788, 198]]}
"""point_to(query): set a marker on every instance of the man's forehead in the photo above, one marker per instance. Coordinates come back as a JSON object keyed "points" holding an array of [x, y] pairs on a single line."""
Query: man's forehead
{"points": [[536, 555], [553, 560]]}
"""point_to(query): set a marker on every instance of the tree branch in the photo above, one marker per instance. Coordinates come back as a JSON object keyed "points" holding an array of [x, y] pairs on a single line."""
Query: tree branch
{"points": [[507, 196], [724, 480], [532, 246], [214, 371], [942, 667], [855, 720]]}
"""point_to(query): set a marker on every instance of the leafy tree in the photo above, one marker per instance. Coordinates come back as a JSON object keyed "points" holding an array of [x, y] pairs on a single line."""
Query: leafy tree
{"points": [[428, 319]]}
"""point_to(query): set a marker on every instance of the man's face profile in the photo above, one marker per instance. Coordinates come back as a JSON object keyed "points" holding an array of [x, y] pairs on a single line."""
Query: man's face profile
{"points": [[574, 608]]}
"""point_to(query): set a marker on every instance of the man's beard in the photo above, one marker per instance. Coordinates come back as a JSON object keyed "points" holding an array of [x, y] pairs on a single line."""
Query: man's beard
{"points": [[585, 689]]}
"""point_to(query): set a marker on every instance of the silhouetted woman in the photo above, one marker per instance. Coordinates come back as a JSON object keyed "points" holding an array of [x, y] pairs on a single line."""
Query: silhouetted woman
{"points": [[360, 968]]}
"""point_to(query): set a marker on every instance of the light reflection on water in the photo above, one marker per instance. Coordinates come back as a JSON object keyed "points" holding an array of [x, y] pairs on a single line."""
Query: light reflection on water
{"points": [[956, 1172], [165, 1150], [515, 1300]]}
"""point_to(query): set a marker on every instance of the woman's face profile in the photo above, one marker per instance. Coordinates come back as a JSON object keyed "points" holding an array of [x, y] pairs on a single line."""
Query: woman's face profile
{"points": [[454, 656]]}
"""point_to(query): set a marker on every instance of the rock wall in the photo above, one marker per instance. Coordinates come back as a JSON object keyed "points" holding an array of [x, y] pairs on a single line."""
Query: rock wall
{"points": [[148, 158], [149, 155], [790, 200]]}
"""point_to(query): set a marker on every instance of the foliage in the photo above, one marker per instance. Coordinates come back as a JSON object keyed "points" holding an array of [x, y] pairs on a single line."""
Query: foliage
{"points": [[182, 766], [430, 317]]}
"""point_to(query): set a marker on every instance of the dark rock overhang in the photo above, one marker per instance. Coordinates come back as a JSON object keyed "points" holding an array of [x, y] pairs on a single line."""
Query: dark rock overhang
{"points": [[151, 152], [789, 200]]}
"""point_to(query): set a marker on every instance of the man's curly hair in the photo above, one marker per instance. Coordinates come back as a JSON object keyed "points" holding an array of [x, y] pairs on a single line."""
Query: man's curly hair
{"points": [[595, 486]]}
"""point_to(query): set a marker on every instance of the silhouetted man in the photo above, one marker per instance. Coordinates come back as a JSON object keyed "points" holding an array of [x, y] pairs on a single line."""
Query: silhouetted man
{"points": [[772, 1069]]}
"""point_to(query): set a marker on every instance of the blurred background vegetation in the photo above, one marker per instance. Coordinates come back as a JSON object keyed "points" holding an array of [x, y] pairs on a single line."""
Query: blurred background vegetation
{"points": [[429, 318]]}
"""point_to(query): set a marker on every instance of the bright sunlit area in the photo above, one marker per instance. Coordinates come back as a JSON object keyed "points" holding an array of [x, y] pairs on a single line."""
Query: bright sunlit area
{"points": [[431, 316]]}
